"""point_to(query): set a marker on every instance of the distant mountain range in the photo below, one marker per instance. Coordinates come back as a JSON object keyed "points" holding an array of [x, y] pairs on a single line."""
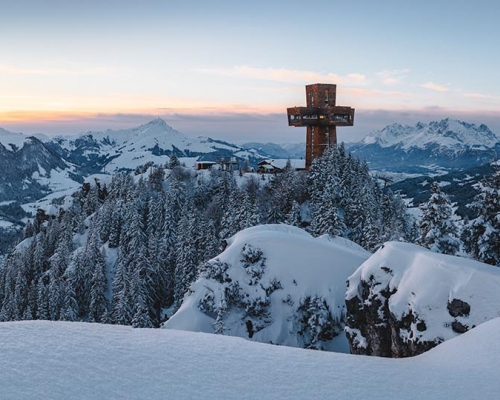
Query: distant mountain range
{"points": [[115, 150], [282, 150], [427, 148], [36, 166]]}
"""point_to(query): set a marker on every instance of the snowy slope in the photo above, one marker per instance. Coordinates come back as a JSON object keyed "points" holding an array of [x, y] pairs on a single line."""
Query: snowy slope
{"points": [[274, 284], [14, 140], [64, 360], [423, 297], [30, 169]]}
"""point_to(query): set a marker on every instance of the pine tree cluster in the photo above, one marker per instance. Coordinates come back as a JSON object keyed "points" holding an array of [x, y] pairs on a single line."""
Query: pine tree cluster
{"points": [[441, 230], [127, 253]]}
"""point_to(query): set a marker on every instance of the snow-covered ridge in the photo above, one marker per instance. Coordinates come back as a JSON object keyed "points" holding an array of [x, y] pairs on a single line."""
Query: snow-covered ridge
{"points": [[130, 148], [453, 134], [142, 137], [14, 141], [145, 137]]}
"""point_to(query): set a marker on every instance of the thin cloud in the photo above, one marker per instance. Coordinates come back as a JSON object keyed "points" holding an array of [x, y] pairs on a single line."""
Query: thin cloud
{"points": [[477, 96], [437, 88], [393, 77], [481, 96], [284, 75]]}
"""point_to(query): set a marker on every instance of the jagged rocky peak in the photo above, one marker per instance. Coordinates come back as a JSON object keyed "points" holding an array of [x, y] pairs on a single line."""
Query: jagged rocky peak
{"points": [[447, 132]]}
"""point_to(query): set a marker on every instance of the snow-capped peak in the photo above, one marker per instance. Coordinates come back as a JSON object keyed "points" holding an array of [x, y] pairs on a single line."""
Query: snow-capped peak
{"points": [[156, 126], [448, 133], [146, 135]]}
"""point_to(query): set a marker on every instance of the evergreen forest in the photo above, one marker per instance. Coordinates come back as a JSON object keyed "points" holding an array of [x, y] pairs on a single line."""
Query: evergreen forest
{"points": [[127, 252]]}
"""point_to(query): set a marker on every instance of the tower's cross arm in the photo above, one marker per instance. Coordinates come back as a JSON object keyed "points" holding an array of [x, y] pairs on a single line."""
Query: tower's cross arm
{"points": [[321, 117]]}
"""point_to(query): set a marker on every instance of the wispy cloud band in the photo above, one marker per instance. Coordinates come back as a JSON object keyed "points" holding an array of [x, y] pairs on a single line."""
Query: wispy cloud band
{"points": [[285, 75], [435, 87]]}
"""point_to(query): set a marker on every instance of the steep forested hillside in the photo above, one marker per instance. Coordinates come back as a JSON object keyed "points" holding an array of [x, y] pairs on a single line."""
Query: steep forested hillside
{"points": [[126, 251]]}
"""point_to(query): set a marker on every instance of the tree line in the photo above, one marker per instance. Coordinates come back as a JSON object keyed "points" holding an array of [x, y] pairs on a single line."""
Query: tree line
{"points": [[127, 252]]}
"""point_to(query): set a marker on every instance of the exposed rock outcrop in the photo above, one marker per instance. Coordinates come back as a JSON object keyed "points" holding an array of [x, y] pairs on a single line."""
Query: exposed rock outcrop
{"points": [[404, 300]]}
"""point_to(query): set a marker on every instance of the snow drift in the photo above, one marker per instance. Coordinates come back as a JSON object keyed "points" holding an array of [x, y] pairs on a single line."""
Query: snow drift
{"points": [[405, 300], [69, 360], [274, 284]]}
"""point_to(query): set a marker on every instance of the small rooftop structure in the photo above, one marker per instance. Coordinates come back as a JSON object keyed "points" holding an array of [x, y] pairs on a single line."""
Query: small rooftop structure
{"points": [[208, 160], [278, 165]]}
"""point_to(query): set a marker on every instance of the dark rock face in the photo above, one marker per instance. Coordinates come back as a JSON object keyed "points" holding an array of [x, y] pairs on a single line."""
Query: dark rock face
{"points": [[405, 300], [368, 319], [458, 308], [373, 330]]}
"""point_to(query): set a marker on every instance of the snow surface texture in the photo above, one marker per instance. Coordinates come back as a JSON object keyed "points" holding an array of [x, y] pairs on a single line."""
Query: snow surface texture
{"points": [[274, 284], [440, 296], [65, 360]]}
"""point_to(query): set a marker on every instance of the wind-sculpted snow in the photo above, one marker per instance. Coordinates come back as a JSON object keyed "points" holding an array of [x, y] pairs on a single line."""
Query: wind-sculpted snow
{"points": [[406, 299], [274, 284], [65, 360]]}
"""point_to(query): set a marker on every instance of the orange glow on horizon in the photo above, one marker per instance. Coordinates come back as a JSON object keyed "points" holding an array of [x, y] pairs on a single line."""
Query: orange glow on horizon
{"points": [[41, 116], [34, 116]]}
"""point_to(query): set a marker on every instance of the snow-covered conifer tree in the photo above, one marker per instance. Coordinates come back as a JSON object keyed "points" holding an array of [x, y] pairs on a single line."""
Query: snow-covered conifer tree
{"points": [[438, 231], [482, 235], [98, 307]]}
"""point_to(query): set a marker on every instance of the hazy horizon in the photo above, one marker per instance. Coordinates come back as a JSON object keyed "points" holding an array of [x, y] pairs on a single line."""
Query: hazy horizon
{"points": [[241, 128]]}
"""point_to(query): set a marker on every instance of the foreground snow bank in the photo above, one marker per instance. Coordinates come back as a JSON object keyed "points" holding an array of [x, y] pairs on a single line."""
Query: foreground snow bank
{"points": [[274, 284], [64, 360], [405, 300]]}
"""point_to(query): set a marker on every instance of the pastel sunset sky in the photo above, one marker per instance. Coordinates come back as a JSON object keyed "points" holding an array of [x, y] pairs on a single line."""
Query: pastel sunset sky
{"points": [[229, 69]]}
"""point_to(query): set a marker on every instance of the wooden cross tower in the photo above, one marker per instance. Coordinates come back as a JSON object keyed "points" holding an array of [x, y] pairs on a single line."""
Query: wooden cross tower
{"points": [[321, 117]]}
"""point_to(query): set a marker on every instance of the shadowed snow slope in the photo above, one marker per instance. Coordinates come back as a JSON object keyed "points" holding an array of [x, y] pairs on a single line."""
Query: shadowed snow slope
{"points": [[64, 360], [406, 299], [274, 284]]}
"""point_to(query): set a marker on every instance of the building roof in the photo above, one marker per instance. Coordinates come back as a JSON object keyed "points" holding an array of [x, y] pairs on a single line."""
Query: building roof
{"points": [[281, 163]]}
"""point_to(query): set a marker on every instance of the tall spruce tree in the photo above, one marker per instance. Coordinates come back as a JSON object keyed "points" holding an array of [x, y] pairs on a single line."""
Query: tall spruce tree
{"points": [[482, 235], [438, 230]]}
